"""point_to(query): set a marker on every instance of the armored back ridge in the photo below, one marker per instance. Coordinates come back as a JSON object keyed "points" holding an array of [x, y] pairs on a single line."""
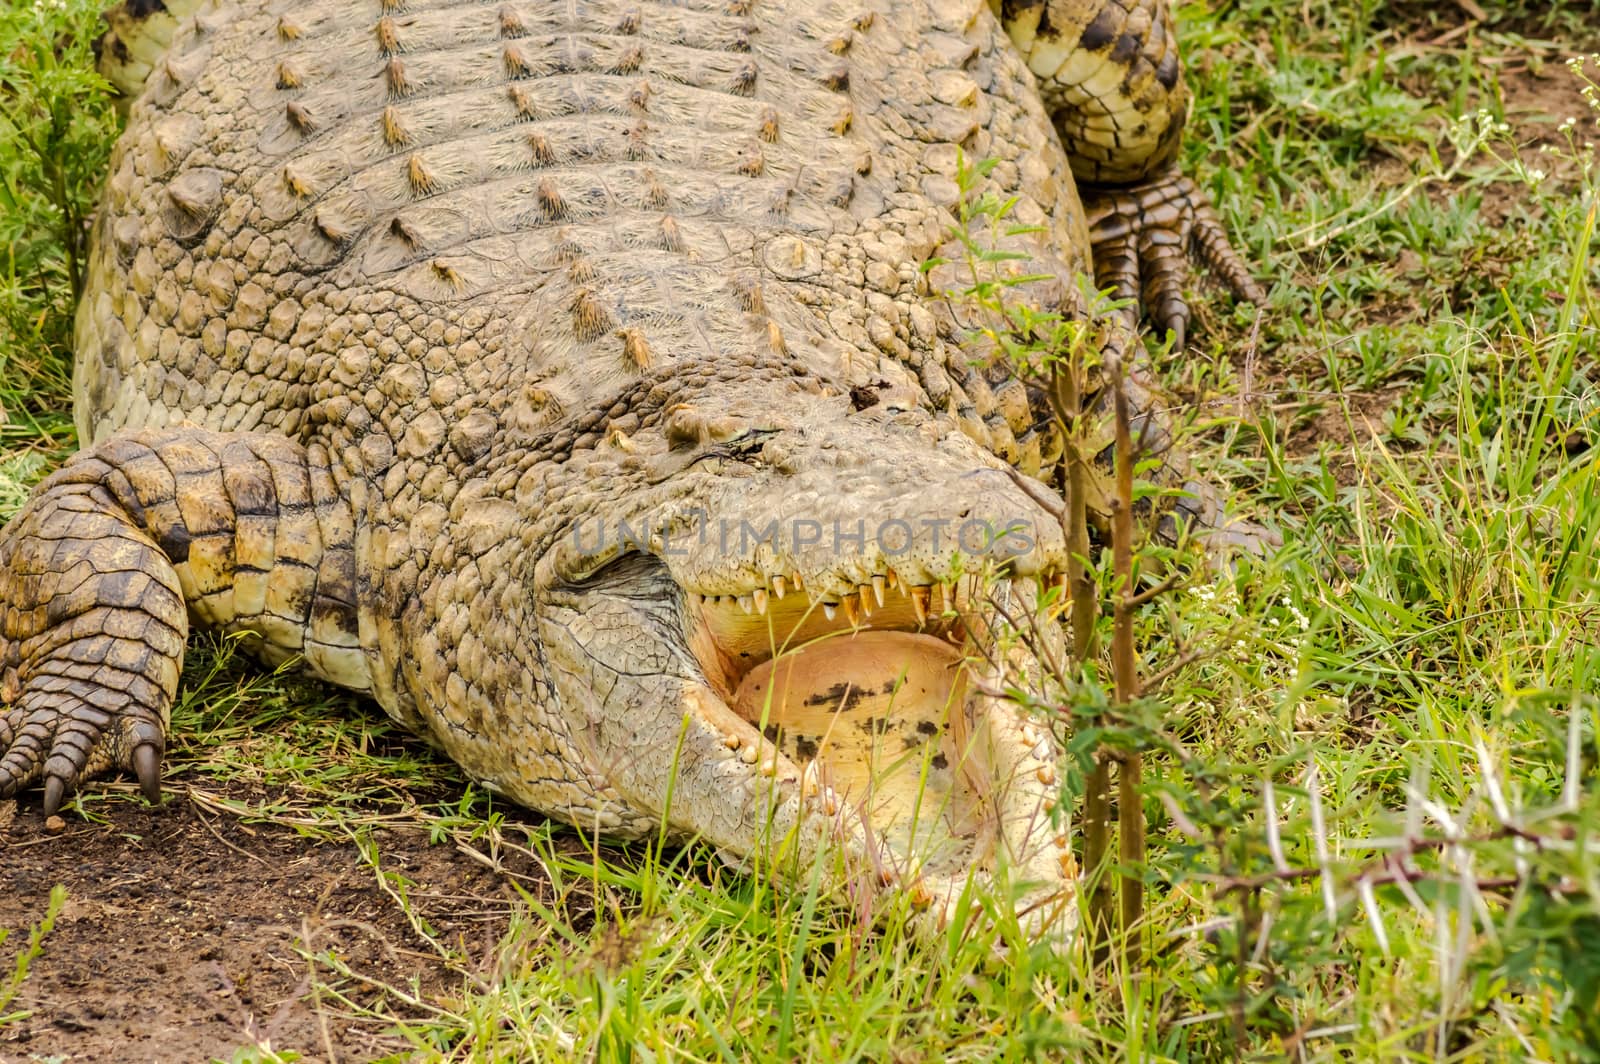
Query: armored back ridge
{"points": [[565, 376]]}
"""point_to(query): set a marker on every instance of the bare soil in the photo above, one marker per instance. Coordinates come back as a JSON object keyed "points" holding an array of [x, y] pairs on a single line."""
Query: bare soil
{"points": [[180, 936]]}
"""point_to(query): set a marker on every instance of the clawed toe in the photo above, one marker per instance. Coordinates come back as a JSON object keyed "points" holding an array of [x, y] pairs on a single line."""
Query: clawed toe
{"points": [[59, 747], [147, 767], [1145, 236]]}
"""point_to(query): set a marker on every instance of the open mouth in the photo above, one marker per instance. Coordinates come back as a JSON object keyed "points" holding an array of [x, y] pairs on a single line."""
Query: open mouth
{"points": [[873, 695]]}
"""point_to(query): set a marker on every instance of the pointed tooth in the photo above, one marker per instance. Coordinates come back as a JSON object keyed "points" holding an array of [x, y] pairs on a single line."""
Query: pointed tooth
{"points": [[1061, 584], [744, 603], [829, 610], [810, 780], [894, 581], [779, 586], [864, 593], [759, 596], [799, 584], [877, 589], [919, 603], [850, 613]]}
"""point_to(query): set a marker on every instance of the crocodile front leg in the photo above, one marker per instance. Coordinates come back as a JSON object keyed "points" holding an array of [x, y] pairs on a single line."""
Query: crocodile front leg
{"points": [[1110, 75], [102, 571]]}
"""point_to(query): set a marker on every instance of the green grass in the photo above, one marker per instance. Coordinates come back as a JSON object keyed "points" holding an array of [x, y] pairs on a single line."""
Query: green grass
{"points": [[1415, 413]]}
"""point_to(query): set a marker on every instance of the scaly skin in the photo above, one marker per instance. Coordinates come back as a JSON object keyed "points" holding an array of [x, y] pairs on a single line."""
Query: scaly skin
{"points": [[391, 301]]}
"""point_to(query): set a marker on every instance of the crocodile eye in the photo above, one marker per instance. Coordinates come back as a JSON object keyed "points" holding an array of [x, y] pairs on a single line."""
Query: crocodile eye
{"points": [[748, 443], [746, 447], [689, 426]]}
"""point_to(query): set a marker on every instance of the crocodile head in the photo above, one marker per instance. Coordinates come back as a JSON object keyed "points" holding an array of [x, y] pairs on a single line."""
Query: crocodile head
{"points": [[787, 642]]}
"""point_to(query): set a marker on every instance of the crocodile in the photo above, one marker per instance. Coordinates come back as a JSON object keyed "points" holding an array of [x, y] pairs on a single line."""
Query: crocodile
{"points": [[566, 379]]}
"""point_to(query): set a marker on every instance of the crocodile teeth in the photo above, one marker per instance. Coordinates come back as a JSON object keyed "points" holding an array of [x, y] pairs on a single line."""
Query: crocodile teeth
{"points": [[894, 581], [760, 598], [829, 610], [919, 603], [850, 614], [877, 589], [799, 584], [864, 593], [745, 603], [779, 586]]}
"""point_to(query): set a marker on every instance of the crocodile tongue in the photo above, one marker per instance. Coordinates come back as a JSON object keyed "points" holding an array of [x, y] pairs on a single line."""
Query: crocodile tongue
{"points": [[882, 716]]}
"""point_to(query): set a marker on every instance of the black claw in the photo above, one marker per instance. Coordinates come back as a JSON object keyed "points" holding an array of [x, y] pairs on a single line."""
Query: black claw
{"points": [[55, 789], [147, 766]]}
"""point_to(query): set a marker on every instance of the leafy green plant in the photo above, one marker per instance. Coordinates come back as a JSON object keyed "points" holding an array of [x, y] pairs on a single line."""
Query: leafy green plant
{"points": [[57, 123], [28, 954]]}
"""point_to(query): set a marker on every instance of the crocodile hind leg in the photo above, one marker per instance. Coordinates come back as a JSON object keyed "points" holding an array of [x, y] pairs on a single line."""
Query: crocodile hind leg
{"points": [[1110, 75], [102, 571]]}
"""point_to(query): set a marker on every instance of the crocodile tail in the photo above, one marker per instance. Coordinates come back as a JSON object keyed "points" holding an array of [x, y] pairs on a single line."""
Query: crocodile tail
{"points": [[139, 34]]}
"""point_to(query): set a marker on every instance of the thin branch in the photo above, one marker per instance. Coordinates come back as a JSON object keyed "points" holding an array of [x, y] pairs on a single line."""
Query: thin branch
{"points": [[1150, 594]]}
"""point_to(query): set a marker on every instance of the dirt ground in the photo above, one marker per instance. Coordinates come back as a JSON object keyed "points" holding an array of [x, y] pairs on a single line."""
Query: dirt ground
{"points": [[179, 935]]}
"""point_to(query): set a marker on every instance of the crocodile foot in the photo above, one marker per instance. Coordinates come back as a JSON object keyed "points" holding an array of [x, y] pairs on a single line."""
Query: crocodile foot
{"points": [[1144, 237], [90, 645]]}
